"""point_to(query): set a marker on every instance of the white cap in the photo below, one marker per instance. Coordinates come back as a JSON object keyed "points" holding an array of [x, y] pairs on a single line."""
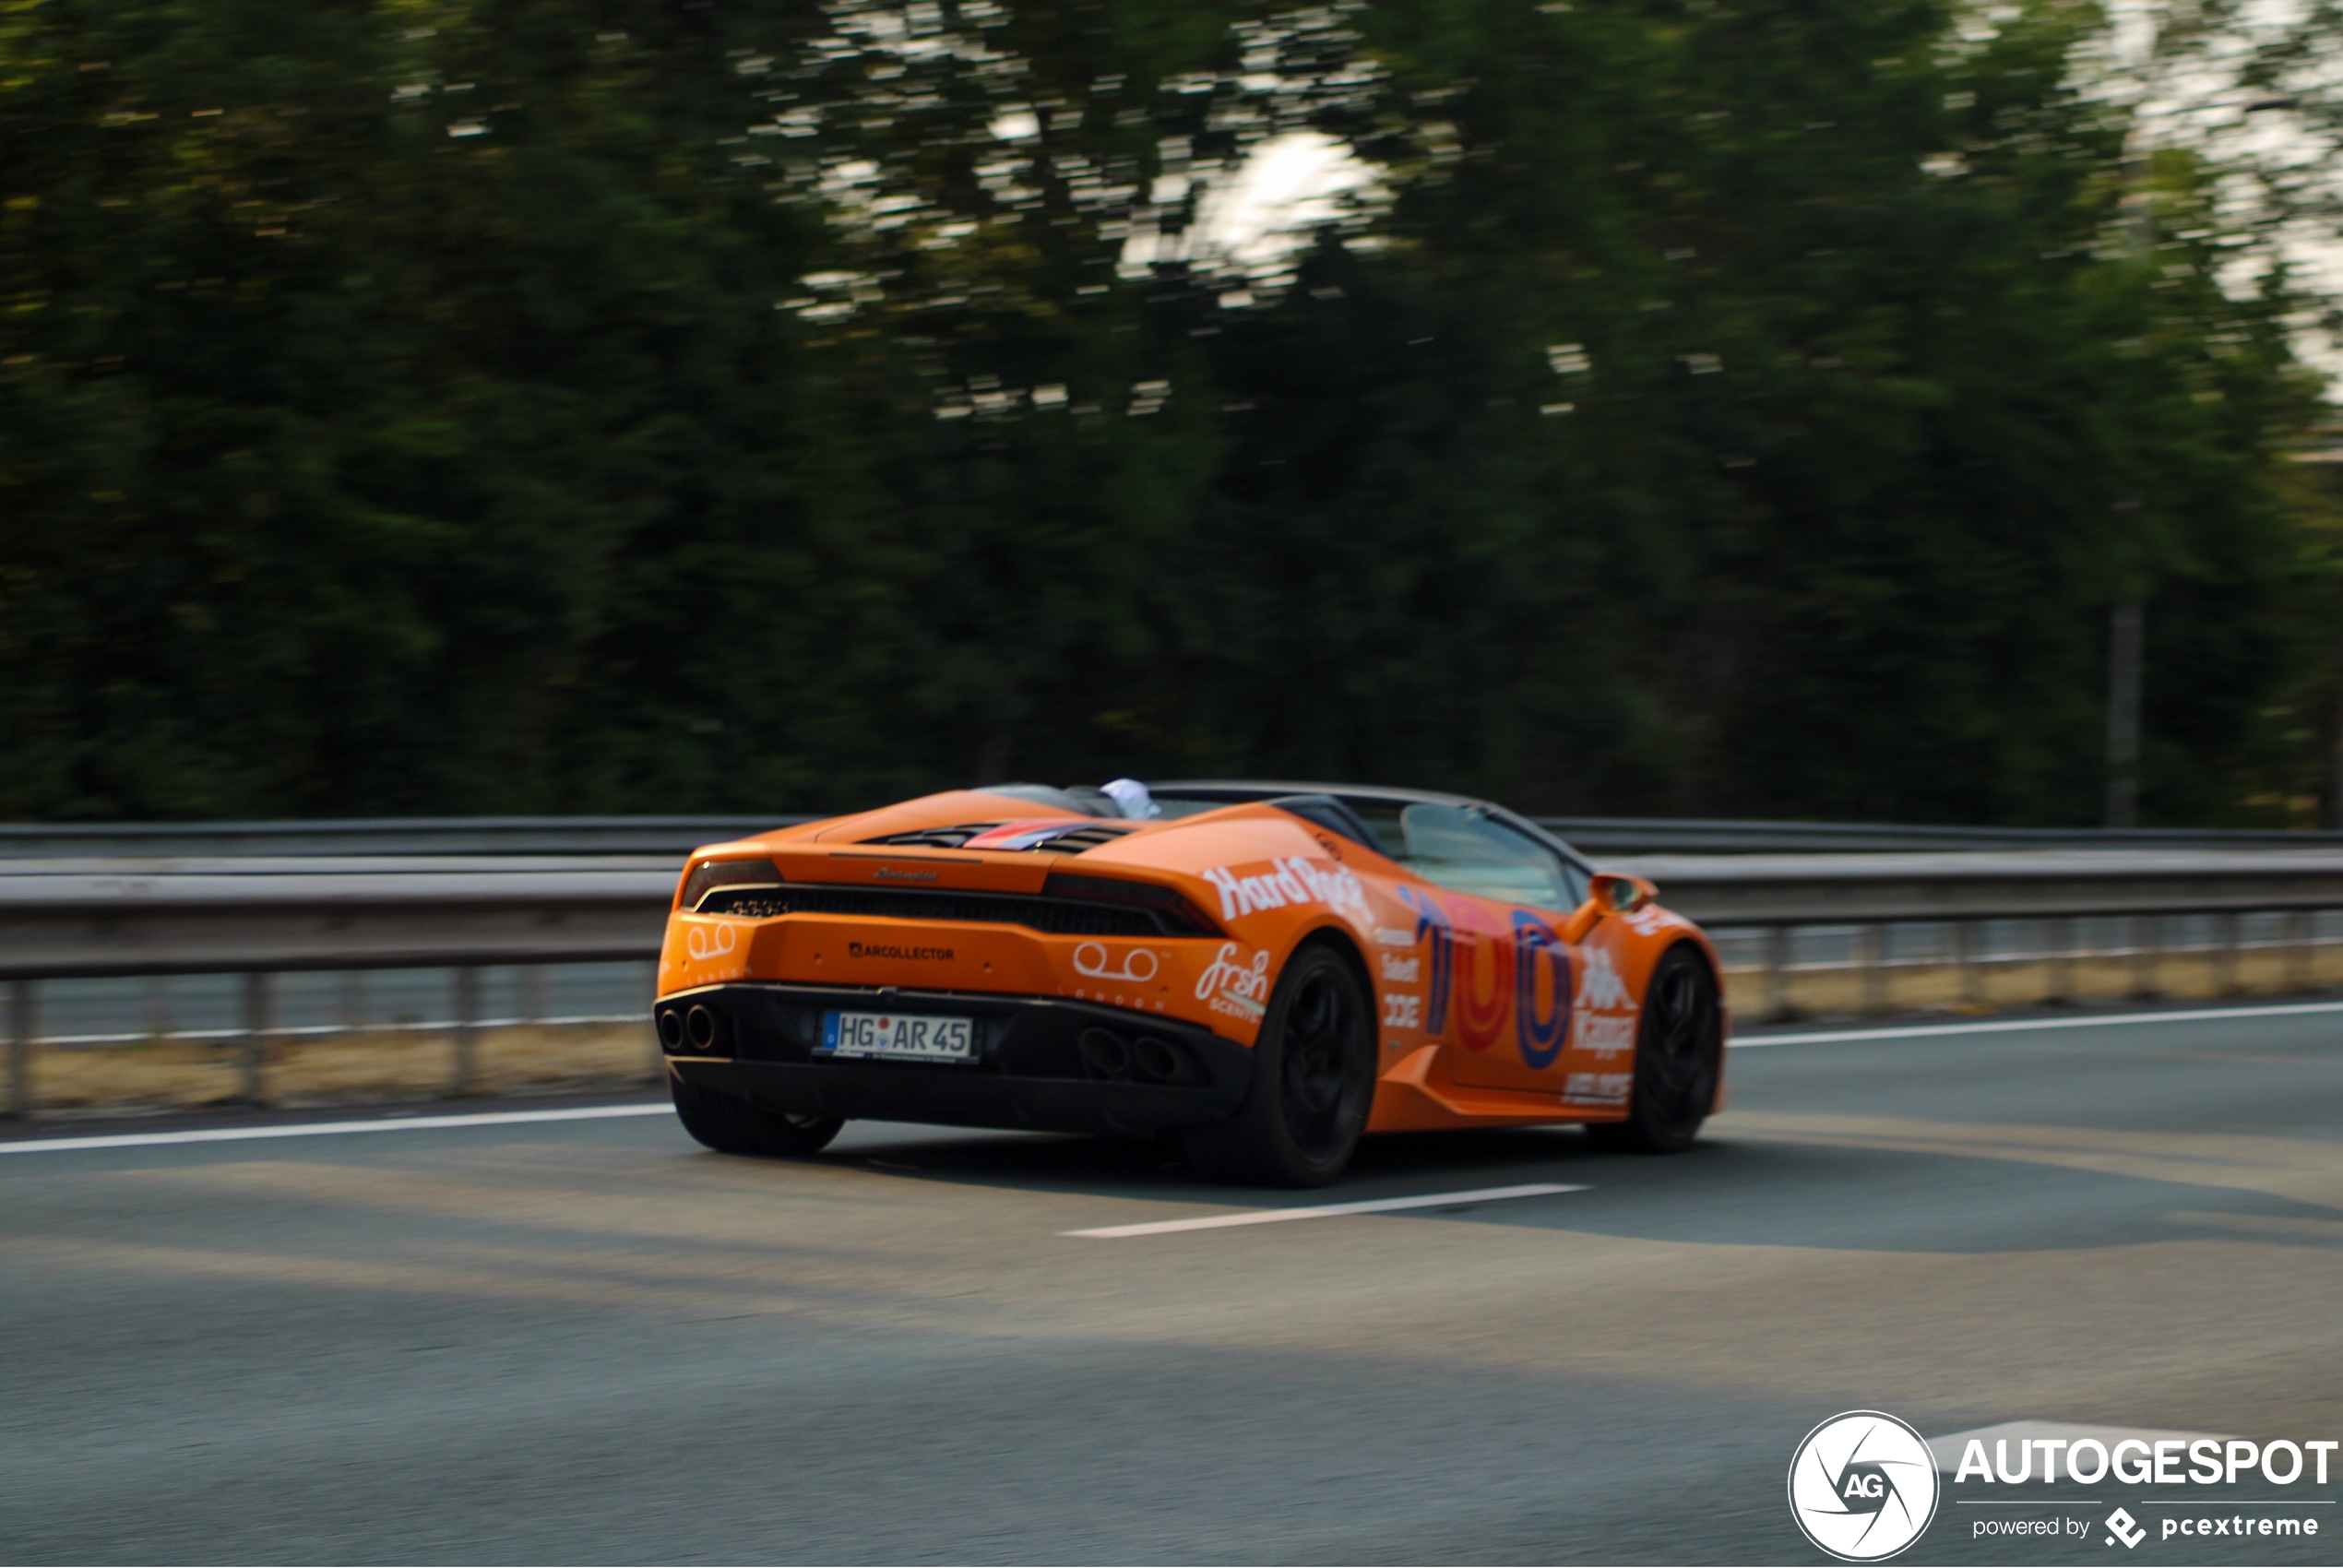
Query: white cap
{"points": [[1133, 797]]}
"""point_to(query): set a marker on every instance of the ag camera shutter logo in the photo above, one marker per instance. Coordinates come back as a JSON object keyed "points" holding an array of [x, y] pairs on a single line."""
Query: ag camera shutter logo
{"points": [[1862, 1486]]}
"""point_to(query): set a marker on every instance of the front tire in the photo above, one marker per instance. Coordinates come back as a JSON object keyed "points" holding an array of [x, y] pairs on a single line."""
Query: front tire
{"points": [[1313, 1082], [1679, 1047], [730, 1125]]}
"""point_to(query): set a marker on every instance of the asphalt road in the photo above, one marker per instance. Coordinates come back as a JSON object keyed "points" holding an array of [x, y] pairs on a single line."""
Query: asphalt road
{"points": [[589, 1340]]}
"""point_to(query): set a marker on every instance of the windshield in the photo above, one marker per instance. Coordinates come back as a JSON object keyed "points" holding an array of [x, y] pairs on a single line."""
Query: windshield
{"points": [[1460, 847]]}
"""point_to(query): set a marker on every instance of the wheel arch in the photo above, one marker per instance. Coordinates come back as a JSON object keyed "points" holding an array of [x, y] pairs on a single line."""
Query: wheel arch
{"points": [[1702, 949], [1346, 946], [1684, 935]]}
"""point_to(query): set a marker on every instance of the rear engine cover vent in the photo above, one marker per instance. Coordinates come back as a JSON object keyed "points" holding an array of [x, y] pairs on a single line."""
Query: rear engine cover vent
{"points": [[1056, 835], [937, 837]]}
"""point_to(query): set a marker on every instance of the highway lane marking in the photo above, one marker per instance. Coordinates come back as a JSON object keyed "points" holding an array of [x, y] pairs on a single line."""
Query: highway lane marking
{"points": [[332, 1129], [1321, 1211], [507, 1118], [2197, 1015]]}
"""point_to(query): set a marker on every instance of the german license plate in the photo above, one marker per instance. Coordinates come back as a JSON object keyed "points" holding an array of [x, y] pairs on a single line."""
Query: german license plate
{"points": [[898, 1037]]}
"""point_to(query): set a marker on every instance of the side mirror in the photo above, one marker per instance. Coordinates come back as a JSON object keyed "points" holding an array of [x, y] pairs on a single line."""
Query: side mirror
{"points": [[1611, 892]]}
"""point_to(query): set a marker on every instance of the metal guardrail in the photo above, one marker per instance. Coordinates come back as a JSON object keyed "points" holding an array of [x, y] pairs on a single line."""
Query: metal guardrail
{"points": [[1776, 889], [676, 835], [2056, 892], [61, 918], [672, 837], [260, 916], [1658, 835]]}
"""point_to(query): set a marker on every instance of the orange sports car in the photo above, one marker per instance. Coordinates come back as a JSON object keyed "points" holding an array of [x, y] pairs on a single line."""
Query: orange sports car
{"points": [[1266, 971]]}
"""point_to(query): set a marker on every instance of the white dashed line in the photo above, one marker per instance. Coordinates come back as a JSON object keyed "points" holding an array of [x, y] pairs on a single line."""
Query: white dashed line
{"points": [[332, 1129], [1321, 1211]]}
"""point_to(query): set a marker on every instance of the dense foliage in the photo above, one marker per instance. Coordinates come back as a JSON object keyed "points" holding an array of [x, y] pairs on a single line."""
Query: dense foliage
{"points": [[1709, 406]]}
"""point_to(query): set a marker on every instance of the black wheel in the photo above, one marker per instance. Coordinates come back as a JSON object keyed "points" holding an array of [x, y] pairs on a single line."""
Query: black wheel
{"points": [[1677, 1047], [1312, 1081], [730, 1125]]}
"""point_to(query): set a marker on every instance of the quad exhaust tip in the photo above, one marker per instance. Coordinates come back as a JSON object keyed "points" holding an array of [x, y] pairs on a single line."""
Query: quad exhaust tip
{"points": [[1106, 1054], [1109, 1055], [1157, 1059]]}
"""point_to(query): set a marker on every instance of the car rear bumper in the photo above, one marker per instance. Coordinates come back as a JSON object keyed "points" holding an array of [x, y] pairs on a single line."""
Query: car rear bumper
{"points": [[1030, 1068]]}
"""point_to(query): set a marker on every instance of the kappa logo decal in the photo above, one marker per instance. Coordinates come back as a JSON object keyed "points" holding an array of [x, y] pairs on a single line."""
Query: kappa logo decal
{"points": [[1608, 1026], [1605, 991]]}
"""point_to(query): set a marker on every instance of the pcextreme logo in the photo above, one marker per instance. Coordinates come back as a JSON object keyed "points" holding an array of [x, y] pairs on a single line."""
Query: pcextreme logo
{"points": [[1862, 1486]]}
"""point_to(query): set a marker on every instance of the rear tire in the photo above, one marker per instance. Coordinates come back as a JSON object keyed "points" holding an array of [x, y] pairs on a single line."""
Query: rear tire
{"points": [[1313, 1082], [730, 1125], [1679, 1043]]}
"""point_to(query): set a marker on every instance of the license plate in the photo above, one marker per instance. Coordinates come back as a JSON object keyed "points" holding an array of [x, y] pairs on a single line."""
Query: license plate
{"points": [[901, 1036]]}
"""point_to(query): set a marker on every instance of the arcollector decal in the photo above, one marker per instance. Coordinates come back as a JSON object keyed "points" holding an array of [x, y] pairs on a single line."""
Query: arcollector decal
{"points": [[888, 950]]}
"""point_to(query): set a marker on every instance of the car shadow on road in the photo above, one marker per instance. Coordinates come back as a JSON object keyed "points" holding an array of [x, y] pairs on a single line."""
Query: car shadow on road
{"points": [[1724, 1191], [1154, 1168]]}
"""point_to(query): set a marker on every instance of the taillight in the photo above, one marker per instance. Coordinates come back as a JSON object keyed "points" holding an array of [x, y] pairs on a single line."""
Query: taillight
{"points": [[1180, 918], [706, 876]]}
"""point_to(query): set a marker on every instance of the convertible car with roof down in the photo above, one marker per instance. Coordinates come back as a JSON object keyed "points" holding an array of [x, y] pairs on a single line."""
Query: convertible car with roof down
{"points": [[1266, 970]]}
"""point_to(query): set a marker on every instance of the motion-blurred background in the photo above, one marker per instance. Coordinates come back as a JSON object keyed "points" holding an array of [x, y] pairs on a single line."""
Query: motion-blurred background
{"points": [[1725, 408], [1835, 459]]}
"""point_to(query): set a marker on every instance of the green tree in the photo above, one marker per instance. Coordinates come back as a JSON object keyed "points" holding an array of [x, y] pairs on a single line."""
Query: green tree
{"points": [[486, 405]]}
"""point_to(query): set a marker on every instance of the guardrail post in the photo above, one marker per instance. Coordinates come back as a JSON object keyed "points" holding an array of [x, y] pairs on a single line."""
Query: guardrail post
{"points": [[2147, 939], [24, 1024], [353, 999], [2061, 932], [1971, 978], [1871, 945], [532, 993], [459, 1073], [1777, 972], [655, 1066], [2225, 952], [260, 987], [2298, 949]]}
